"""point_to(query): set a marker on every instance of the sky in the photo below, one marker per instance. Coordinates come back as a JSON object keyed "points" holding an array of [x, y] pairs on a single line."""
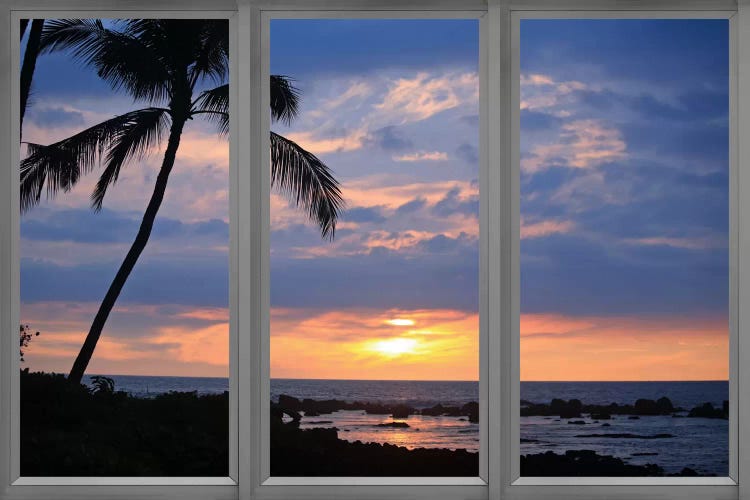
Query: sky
{"points": [[624, 202]]}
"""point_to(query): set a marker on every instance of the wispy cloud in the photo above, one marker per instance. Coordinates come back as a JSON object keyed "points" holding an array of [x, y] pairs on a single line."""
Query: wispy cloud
{"points": [[422, 96], [540, 229], [423, 156], [580, 144]]}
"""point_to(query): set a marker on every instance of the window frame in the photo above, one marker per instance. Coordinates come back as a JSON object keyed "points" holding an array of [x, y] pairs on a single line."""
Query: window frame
{"points": [[499, 252], [515, 486], [261, 13], [13, 484]]}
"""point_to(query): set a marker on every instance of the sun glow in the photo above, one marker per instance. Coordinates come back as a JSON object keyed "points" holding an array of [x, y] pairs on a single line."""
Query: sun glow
{"points": [[401, 322], [394, 347]]}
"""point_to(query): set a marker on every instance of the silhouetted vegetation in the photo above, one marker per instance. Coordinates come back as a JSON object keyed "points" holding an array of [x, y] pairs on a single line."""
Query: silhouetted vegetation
{"points": [[71, 430], [26, 335]]}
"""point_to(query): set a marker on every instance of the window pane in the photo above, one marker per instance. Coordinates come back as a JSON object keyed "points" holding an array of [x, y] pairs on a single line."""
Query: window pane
{"points": [[128, 375], [374, 328], [624, 247]]}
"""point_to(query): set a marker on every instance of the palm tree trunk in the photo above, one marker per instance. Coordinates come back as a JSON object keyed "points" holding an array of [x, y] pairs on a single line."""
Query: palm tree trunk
{"points": [[141, 239], [24, 23], [29, 62]]}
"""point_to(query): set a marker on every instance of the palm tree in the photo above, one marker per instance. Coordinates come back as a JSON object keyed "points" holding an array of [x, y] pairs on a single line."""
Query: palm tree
{"points": [[160, 62], [30, 56]]}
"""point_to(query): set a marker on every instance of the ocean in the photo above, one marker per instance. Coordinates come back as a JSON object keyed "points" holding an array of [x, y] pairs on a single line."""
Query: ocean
{"points": [[701, 444]]}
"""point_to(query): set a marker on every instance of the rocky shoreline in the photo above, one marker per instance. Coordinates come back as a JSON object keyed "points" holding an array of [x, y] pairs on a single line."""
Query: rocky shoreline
{"points": [[319, 452], [574, 408], [308, 452], [314, 408], [579, 463]]}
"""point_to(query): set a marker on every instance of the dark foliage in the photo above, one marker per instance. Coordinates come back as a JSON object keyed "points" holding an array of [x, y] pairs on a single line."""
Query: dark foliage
{"points": [[69, 430], [25, 337]]}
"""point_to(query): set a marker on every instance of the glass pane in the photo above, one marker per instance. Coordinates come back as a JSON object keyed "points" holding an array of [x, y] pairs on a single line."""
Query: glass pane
{"points": [[124, 248], [624, 247], [374, 328]]}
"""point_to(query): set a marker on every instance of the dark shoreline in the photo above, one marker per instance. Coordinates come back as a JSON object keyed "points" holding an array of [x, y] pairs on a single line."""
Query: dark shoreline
{"points": [[308, 448], [74, 430]]}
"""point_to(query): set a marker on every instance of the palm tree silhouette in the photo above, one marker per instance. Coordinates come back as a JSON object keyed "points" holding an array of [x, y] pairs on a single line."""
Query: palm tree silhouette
{"points": [[29, 61], [160, 62]]}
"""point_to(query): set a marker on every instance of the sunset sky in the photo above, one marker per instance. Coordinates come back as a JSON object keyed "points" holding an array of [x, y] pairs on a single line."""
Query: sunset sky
{"points": [[624, 212]]}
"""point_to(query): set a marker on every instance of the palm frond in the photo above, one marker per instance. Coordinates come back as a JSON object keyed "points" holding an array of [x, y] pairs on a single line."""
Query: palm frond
{"points": [[122, 60], [308, 181], [215, 104], [59, 166], [133, 141], [285, 99], [212, 54]]}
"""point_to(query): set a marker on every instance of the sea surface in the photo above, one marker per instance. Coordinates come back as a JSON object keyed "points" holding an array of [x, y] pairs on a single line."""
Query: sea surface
{"points": [[701, 444]]}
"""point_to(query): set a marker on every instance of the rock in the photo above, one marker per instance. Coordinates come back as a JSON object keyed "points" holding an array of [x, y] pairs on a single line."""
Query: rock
{"points": [[647, 407], [471, 410], [707, 410], [577, 422], [401, 411], [583, 463], [687, 471], [290, 402], [664, 405], [601, 416], [399, 425], [634, 417]]}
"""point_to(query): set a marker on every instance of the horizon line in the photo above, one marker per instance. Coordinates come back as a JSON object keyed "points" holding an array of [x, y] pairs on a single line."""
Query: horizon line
{"points": [[407, 380]]}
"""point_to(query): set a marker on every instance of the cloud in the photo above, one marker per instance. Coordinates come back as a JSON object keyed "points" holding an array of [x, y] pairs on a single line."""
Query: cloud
{"points": [[422, 156], [542, 92], [389, 139], [342, 343], [364, 214], [544, 228], [55, 117], [580, 144], [591, 347], [420, 97], [411, 206], [108, 226], [138, 338], [680, 242], [457, 201], [319, 144], [157, 279], [468, 153]]}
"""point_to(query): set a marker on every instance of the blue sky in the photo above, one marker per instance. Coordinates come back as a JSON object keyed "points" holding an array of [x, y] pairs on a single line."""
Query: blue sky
{"points": [[624, 189]]}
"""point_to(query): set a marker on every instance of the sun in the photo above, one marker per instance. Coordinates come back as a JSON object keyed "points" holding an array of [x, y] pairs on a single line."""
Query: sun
{"points": [[401, 322], [394, 347]]}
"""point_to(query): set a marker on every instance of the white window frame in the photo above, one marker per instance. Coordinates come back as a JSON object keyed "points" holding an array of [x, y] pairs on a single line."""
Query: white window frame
{"points": [[499, 256]]}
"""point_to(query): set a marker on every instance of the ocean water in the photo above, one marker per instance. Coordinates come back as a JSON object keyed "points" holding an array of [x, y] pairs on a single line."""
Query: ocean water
{"points": [[701, 444]]}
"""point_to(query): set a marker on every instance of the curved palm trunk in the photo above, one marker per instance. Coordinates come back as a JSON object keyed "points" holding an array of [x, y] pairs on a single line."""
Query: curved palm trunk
{"points": [[141, 239], [29, 63]]}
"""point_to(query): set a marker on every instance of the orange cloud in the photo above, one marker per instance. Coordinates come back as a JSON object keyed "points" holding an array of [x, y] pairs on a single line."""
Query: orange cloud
{"points": [[363, 344], [169, 339], [558, 347], [542, 92], [313, 141], [545, 228], [581, 144], [420, 97], [685, 243]]}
